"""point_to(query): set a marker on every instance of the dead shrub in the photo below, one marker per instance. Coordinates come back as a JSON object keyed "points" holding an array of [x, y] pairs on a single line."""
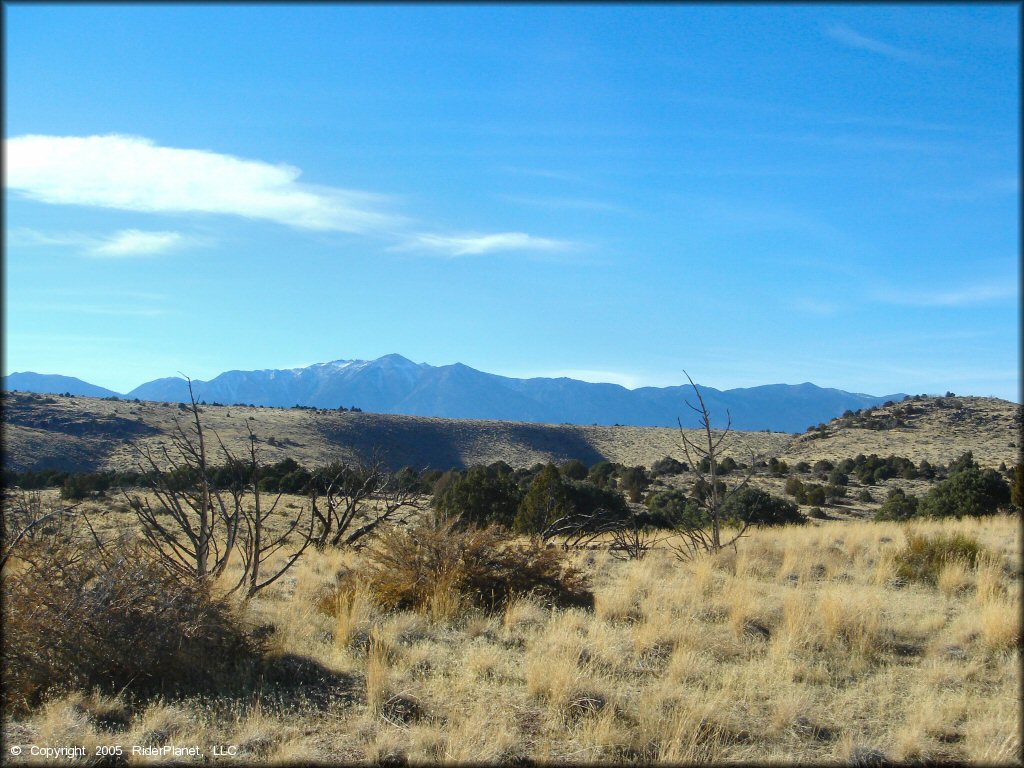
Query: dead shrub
{"points": [[481, 567], [78, 617]]}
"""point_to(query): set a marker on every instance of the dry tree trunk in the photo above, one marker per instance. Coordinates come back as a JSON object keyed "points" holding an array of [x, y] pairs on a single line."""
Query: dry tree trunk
{"points": [[698, 537]]}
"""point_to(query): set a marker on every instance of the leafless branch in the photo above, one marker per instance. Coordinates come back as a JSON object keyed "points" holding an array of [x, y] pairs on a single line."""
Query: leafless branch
{"points": [[364, 490]]}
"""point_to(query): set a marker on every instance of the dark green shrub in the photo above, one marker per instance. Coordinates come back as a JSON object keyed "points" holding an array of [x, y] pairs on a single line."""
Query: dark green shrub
{"points": [[822, 467], [550, 498], [702, 489], [500, 467], [668, 466], [573, 470], [837, 477], [546, 500], [587, 499], [604, 473], [428, 478], [813, 494], [967, 492], [802, 467], [1017, 486], [898, 505], [964, 461], [46, 478], [793, 486], [833, 492], [481, 496], [74, 489], [634, 481], [727, 465], [443, 481], [754, 506], [674, 508], [865, 496], [924, 556], [287, 476], [411, 479]]}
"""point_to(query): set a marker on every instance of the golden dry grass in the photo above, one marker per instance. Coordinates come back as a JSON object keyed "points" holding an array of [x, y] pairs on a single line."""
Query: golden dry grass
{"points": [[799, 647]]}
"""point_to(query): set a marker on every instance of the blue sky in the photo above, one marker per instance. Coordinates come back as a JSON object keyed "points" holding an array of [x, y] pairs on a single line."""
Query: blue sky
{"points": [[615, 193]]}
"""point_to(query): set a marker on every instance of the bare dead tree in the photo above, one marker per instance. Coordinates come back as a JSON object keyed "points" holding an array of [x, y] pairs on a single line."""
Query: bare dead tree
{"points": [[576, 531], [705, 534], [631, 537], [349, 501], [194, 526], [257, 546], [25, 516], [633, 540]]}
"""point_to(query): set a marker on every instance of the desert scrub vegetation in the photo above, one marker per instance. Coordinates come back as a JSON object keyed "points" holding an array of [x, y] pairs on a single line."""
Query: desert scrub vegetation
{"points": [[436, 566], [81, 612], [805, 644]]}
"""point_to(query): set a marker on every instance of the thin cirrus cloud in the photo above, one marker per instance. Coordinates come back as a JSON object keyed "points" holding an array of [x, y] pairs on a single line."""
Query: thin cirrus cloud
{"points": [[127, 243], [133, 173], [133, 242], [852, 39], [475, 245]]}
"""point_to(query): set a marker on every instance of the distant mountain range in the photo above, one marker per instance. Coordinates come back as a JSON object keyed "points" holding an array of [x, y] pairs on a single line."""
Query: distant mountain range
{"points": [[394, 384], [54, 384]]}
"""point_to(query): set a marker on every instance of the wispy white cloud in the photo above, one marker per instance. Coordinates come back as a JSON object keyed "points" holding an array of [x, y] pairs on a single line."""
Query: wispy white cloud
{"points": [[127, 243], [133, 242], [477, 244], [133, 173], [968, 295], [853, 39]]}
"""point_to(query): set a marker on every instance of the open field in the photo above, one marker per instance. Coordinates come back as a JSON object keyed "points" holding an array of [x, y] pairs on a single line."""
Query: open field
{"points": [[81, 433], [827, 642], [805, 645]]}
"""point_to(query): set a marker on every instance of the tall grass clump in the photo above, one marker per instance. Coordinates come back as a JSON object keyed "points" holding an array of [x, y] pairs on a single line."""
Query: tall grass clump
{"points": [[924, 557]]}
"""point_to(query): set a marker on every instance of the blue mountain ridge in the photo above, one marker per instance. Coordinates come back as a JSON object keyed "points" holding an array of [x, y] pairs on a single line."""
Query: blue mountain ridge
{"points": [[393, 384], [54, 384]]}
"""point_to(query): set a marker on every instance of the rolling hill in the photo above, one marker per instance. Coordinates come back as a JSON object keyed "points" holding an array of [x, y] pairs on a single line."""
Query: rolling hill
{"points": [[81, 433]]}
